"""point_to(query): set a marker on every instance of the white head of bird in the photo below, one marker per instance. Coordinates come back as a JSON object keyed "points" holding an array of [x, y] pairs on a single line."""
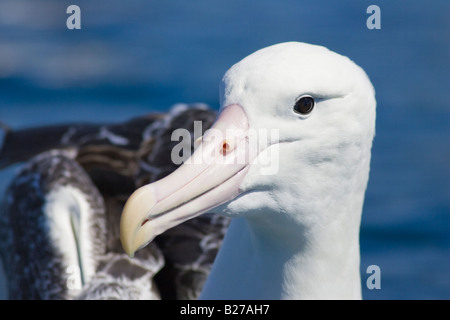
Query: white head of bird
{"points": [[296, 231]]}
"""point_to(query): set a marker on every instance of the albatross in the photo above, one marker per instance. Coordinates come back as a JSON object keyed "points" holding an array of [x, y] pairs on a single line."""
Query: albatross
{"points": [[59, 218], [309, 114]]}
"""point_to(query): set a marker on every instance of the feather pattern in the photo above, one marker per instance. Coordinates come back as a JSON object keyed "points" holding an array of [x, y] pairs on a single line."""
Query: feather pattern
{"points": [[59, 225]]}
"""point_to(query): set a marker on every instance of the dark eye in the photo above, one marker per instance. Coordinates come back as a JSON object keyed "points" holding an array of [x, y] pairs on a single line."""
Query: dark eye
{"points": [[304, 105]]}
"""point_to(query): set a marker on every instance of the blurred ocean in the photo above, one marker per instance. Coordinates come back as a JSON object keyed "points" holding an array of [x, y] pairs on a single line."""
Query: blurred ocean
{"points": [[132, 57]]}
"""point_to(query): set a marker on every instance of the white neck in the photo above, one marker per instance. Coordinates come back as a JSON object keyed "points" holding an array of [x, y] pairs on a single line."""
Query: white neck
{"points": [[294, 262]]}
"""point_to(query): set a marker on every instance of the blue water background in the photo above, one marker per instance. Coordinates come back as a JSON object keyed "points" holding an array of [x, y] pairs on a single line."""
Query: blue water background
{"points": [[132, 57]]}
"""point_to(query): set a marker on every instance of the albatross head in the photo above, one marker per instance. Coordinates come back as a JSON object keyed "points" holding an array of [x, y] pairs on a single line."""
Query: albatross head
{"points": [[290, 149]]}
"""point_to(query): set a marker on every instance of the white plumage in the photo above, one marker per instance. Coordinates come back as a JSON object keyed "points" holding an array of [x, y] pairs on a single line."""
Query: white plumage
{"points": [[295, 227], [296, 232]]}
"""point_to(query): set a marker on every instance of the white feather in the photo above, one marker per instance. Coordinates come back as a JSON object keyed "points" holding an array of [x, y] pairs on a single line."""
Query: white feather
{"points": [[298, 232], [67, 212]]}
